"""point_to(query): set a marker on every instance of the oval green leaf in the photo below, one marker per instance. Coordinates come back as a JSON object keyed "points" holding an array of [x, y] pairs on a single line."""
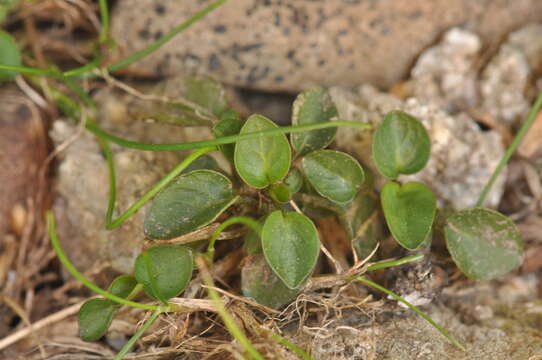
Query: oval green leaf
{"points": [[280, 193], [333, 174], [294, 180], [409, 211], [207, 93], [95, 317], [483, 243], [164, 270], [122, 286], [9, 55], [401, 145], [291, 246], [263, 160], [310, 107], [260, 283], [226, 127], [192, 200]]}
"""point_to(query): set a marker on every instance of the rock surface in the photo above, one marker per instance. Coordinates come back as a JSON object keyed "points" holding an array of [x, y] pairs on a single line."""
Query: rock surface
{"points": [[279, 45]]}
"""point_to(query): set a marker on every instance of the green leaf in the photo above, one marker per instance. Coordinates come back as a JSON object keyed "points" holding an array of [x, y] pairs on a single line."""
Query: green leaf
{"points": [[263, 160], [280, 193], [483, 243], [291, 246], [260, 283], [122, 286], [207, 93], [9, 55], [226, 127], [192, 200], [164, 270], [312, 106], [204, 162], [333, 174], [401, 145], [95, 317], [294, 180], [409, 211]]}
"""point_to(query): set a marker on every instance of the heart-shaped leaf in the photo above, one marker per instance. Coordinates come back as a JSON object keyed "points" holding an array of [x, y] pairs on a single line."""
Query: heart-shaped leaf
{"points": [[409, 211], [230, 125], [291, 246], [95, 317], [483, 243], [9, 55], [263, 160], [333, 174], [190, 201], [164, 270], [401, 145], [122, 286], [312, 106], [260, 283]]}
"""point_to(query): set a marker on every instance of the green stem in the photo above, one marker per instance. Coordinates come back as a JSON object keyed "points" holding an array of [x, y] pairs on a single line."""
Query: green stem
{"points": [[228, 320], [92, 127], [414, 308], [296, 349], [164, 39], [66, 262], [104, 15], [531, 116], [251, 223], [112, 224], [85, 68], [393, 263], [138, 334], [29, 70]]}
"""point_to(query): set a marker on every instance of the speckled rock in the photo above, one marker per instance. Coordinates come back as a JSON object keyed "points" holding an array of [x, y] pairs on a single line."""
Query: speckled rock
{"points": [[462, 156], [446, 73], [291, 45]]}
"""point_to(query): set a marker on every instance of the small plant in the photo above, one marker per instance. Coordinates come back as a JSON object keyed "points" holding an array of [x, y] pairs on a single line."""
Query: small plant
{"points": [[279, 186]]}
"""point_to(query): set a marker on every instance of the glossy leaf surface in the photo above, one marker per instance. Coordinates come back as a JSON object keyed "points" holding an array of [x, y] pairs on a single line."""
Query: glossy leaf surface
{"points": [[291, 246], [312, 106], [264, 160], [401, 145], [333, 174], [409, 211], [189, 202], [164, 270], [483, 243]]}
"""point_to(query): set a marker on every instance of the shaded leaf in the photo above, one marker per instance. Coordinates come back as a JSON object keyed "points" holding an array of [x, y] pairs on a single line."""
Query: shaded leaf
{"points": [[9, 55], [483, 243], [409, 211], [280, 193], [260, 283], [95, 317], [190, 201], [333, 174], [122, 286], [164, 270], [401, 145], [291, 246], [294, 180], [312, 106], [226, 127], [207, 93], [264, 160], [204, 162]]}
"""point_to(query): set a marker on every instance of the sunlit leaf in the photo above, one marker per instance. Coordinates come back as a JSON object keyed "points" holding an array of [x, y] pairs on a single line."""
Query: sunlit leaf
{"points": [[291, 246]]}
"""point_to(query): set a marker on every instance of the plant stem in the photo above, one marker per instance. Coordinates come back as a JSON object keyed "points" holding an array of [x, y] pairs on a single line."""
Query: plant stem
{"points": [[414, 308], [66, 262], [112, 224], [164, 39], [251, 223], [531, 116], [393, 263], [138, 334], [104, 15], [222, 140], [29, 70], [296, 349], [226, 318]]}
